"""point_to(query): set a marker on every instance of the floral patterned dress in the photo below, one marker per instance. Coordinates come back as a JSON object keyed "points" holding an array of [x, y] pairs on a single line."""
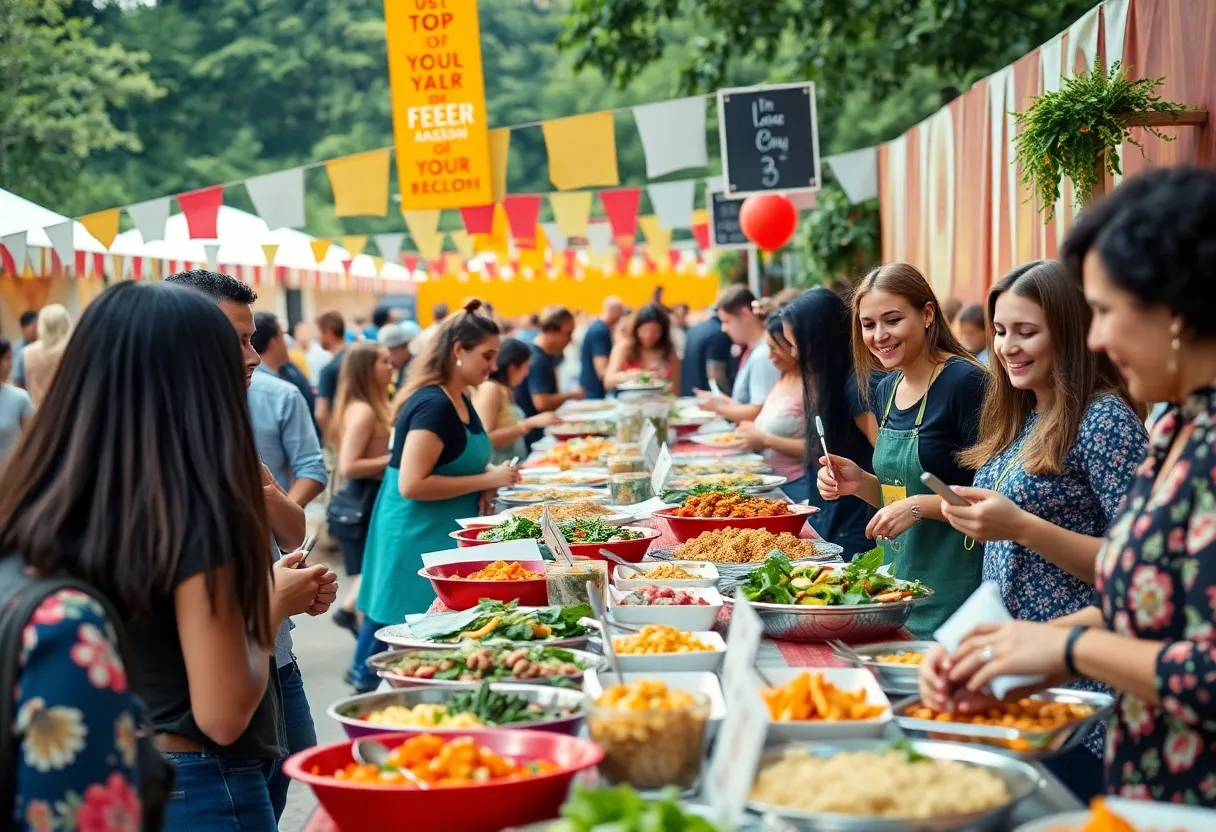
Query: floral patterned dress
{"points": [[76, 771], [1157, 581]]}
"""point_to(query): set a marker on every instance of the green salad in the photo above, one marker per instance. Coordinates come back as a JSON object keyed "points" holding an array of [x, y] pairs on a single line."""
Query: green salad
{"points": [[582, 530], [621, 809], [812, 585], [491, 620]]}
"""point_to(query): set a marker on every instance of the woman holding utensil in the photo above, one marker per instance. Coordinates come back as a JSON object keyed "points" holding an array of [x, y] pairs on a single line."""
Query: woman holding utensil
{"points": [[1144, 257], [927, 410], [647, 349], [437, 473]]}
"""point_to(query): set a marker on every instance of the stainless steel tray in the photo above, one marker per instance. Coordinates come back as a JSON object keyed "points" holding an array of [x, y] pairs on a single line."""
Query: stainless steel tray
{"points": [[1025, 745], [864, 622], [894, 678], [347, 711], [382, 664], [1021, 779]]}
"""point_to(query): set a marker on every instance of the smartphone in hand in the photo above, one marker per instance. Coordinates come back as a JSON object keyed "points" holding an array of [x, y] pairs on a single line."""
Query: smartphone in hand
{"points": [[942, 490], [310, 543]]}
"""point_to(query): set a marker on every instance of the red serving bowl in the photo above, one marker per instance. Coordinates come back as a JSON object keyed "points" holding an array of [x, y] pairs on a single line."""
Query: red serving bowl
{"points": [[457, 594], [686, 528], [468, 536], [629, 550], [482, 807]]}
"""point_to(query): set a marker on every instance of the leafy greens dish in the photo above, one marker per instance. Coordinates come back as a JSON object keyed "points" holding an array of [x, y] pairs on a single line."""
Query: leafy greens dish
{"points": [[858, 583], [491, 621], [582, 530]]}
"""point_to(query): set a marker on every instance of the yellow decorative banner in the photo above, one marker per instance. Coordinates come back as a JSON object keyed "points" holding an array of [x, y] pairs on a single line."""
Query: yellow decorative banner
{"points": [[439, 103], [103, 225], [534, 258], [497, 242], [582, 151], [570, 211], [271, 250], [424, 229], [360, 184], [378, 264], [658, 239], [354, 244], [320, 248], [463, 243], [500, 149]]}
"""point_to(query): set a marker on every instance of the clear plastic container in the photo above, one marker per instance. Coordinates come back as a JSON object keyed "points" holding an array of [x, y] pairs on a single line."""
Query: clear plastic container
{"points": [[659, 415], [625, 464], [629, 422], [626, 489], [650, 749], [567, 585]]}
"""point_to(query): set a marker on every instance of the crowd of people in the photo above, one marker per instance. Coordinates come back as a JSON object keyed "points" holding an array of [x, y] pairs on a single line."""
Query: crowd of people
{"points": [[138, 465]]}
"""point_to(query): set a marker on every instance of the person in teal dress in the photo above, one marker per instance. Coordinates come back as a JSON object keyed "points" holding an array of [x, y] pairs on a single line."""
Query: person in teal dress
{"points": [[438, 472]]}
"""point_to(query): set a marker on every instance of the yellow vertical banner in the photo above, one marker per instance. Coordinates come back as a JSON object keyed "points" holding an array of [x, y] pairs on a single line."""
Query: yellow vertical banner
{"points": [[439, 103], [500, 149]]}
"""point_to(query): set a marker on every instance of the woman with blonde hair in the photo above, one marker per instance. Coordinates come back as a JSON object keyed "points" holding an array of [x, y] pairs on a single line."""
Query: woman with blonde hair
{"points": [[42, 357], [927, 409], [359, 429]]}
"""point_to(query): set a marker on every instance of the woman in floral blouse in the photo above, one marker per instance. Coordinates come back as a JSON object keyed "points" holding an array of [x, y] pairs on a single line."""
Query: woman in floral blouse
{"points": [[1146, 257], [1059, 446]]}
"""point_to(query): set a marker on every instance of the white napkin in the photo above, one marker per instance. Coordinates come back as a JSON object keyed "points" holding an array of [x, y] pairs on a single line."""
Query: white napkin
{"points": [[983, 607]]}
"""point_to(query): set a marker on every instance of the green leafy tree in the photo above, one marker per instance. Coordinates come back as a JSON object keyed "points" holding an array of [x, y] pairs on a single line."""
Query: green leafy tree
{"points": [[62, 96]]}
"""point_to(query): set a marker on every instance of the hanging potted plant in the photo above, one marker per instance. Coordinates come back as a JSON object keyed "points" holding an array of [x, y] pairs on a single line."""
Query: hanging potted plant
{"points": [[1077, 131], [837, 239]]}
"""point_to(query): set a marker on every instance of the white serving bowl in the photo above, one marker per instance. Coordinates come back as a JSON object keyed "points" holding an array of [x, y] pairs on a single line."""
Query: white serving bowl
{"points": [[680, 617], [847, 679], [627, 579], [704, 683], [703, 660]]}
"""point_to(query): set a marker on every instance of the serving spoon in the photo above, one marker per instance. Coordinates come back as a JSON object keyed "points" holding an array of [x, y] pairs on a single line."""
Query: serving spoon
{"points": [[370, 752]]}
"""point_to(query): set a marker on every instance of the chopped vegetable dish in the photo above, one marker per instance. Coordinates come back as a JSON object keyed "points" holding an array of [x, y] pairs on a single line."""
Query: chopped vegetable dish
{"points": [[497, 620], [500, 570], [658, 638], [730, 504], [860, 582], [811, 696], [441, 762]]}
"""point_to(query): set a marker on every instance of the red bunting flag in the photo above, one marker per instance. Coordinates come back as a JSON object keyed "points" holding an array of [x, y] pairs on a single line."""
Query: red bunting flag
{"points": [[479, 219], [676, 256], [80, 262], [346, 266], [410, 262], [99, 265], [571, 260], [701, 232], [523, 210], [435, 266], [7, 264], [137, 267], [490, 268], [202, 209], [621, 208]]}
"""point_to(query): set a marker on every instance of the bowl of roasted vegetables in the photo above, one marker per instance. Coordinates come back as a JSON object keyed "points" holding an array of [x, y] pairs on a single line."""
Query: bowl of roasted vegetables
{"points": [[494, 623], [477, 781], [461, 586], [444, 709], [730, 508], [472, 663]]}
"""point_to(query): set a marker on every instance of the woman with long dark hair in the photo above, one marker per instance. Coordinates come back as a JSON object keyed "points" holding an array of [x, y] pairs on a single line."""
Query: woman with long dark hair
{"points": [[437, 474], [647, 349], [139, 476], [816, 325], [494, 400]]}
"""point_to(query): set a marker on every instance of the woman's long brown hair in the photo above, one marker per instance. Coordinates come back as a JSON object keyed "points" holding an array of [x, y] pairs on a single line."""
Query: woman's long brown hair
{"points": [[906, 281], [468, 328], [357, 383], [1077, 375], [142, 455]]}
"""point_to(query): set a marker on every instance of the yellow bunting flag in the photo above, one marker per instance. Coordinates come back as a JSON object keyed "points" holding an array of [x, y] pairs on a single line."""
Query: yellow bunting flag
{"points": [[360, 184], [424, 229], [534, 258], [103, 225], [378, 263], [500, 148], [570, 211], [354, 244], [320, 248], [582, 151], [463, 243], [453, 263], [658, 239], [700, 216], [498, 241], [439, 104], [119, 267], [271, 250]]}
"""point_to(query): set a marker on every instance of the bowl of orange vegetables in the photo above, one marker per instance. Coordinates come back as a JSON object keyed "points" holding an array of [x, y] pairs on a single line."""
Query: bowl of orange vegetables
{"points": [[825, 703], [460, 586], [479, 781]]}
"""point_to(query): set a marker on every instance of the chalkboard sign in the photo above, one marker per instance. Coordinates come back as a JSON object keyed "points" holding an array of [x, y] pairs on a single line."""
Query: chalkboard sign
{"points": [[724, 230], [770, 139]]}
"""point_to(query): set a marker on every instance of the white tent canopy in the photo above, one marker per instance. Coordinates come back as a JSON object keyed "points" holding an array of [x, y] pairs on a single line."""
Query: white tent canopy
{"points": [[18, 214]]}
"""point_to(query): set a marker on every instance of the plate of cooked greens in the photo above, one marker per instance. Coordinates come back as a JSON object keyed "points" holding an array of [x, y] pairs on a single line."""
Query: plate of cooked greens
{"points": [[494, 623]]}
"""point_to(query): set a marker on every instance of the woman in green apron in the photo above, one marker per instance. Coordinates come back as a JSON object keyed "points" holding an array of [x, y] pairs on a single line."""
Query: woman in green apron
{"points": [[437, 474], [928, 412]]}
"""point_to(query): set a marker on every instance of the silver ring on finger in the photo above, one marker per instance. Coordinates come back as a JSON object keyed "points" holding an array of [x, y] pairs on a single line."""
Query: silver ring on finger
{"points": [[986, 654]]}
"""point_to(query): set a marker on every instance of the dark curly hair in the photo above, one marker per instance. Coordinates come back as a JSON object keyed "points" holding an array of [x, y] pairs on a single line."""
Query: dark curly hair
{"points": [[215, 285], [1156, 237]]}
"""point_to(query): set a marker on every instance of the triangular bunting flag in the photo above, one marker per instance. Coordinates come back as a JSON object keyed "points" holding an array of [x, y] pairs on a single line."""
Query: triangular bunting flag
{"points": [[500, 147], [103, 225], [715, 183], [354, 244], [463, 241], [278, 198], [673, 201], [621, 208], [571, 210], [658, 239], [150, 218], [202, 209], [673, 135], [410, 262], [599, 237], [522, 212], [212, 252], [271, 250], [378, 264], [389, 245], [99, 264], [320, 248], [857, 173], [137, 268], [15, 243], [63, 240], [582, 150], [676, 256], [346, 264], [360, 184], [478, 220], [557, 240], [700, 227], [120, 267], [424, 229]]}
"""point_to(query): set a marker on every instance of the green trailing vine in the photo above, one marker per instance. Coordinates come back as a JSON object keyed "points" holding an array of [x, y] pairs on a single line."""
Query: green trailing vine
{"points": [[836, 238], [1077, 131]]}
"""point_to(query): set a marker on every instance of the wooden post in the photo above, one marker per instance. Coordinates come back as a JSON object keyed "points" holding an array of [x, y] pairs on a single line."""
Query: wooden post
{"points": [[1188, 118]]}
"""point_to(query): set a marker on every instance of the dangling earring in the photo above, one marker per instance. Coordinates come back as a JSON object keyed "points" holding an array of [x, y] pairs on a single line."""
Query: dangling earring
{"points": [[459, 363], [1175, 345]]}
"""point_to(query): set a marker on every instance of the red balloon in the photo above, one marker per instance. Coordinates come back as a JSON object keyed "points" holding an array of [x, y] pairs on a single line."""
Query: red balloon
{"points": [[768, 220]]}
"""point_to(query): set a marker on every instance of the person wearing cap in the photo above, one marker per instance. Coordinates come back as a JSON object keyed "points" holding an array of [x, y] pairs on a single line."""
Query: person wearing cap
{"points": [[399, 337]]}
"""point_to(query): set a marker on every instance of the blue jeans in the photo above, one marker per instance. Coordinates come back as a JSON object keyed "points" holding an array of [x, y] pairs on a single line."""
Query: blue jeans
{"points": [[301, 733], [366, 647], [219, 794]]}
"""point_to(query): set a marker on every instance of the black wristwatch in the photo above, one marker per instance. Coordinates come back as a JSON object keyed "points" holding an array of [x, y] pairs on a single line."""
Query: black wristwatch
{"points": [[1070, 645]]}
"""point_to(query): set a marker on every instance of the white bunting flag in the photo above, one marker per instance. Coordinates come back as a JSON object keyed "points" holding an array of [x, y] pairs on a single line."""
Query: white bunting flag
{"points": [[279, 198], [15, 243], [212, 251], [672, 202], [715, 183], [857, 173], [673, 135], [599, 237], [150, 218], [553, 233], [62, 240], [389, 245]]}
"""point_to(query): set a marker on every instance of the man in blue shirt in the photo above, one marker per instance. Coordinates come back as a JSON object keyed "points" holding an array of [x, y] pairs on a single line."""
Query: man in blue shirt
{"points": [[271, 344], [538, 393], [597, 346], [29, 334]]}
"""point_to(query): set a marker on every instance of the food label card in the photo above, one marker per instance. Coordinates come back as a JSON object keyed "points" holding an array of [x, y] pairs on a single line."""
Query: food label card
{"points": [[520, 550], [553, 538], [740, 743], [649, 443], [662, 470], [742, 641]]}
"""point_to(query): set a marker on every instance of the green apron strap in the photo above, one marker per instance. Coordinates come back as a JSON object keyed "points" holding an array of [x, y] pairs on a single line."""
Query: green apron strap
{"points": [[891, 400], [924, 400]]}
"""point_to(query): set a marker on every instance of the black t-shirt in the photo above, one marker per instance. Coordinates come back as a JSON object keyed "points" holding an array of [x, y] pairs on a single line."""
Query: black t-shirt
{"points": [[327, 382], [952, 417], [705, 342], [597, 343], [542, 378], [431, 409], [166, 688]]}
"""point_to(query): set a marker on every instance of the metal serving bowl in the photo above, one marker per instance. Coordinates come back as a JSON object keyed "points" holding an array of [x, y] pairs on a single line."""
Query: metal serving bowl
{"points": [[347, 711], [863, 622], [381, 663], [1021, 780], [894, 678]]}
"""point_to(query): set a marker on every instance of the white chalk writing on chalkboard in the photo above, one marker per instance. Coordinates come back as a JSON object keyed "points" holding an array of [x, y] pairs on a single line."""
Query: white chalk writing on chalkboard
{"points": [[769, 139]]}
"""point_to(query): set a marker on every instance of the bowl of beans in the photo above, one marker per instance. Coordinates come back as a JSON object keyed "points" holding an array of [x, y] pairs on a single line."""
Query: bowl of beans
{"points": [[460, 586]]}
